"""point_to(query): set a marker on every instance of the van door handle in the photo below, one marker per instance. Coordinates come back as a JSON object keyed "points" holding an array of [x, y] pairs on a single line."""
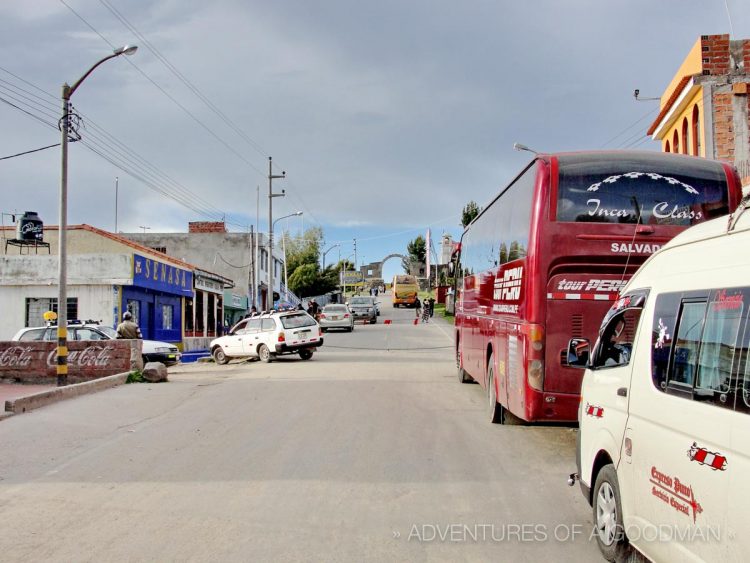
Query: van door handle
{"points": [[622, 392]]}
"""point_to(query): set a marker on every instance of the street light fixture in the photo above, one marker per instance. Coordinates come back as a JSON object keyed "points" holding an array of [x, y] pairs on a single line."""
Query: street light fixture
{"points": [[62, 296], [326, 252], [283, 246]]}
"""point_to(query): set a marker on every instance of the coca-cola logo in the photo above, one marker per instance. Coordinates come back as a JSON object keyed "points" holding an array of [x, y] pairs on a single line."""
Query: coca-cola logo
{"points": [[91, 356], [31, 228], [16, 357]]}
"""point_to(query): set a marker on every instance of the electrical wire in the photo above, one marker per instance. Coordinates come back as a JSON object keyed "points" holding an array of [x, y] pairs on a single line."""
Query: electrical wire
{"points": [[29, 152], [629, 127]]}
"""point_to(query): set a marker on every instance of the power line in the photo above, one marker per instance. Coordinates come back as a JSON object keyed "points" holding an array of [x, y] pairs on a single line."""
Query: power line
{"points": [[29, 152], [629, 127]]}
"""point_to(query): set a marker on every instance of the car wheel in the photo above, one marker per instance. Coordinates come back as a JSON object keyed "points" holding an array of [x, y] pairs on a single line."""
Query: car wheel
{"points": [[607, 509], [323, 329], [305, 354], [219, 356], [463, 377], [495, 409], [264, 353], [373, 320]]}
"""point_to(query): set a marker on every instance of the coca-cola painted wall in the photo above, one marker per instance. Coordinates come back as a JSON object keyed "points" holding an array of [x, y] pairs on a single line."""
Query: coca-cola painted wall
{"points": [[35, 362]]}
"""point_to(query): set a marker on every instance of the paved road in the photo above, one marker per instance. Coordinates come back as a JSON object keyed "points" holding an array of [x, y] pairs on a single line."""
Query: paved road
{"points": [[370, 451]]}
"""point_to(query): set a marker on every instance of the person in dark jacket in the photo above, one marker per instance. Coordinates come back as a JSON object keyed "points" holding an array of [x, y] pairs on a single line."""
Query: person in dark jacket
{"points": [[128, 328]]}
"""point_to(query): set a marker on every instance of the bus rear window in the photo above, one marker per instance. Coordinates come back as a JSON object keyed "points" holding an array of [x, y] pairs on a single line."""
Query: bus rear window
{"points": [[664, 189]]}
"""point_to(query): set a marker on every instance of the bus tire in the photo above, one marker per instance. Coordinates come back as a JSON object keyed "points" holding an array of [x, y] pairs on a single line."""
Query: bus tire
{"points": [[463, 377], [607, 513], [496, 410]]}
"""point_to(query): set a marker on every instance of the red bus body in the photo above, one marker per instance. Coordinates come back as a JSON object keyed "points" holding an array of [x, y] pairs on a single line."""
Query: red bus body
{"points": [[546, 258]]}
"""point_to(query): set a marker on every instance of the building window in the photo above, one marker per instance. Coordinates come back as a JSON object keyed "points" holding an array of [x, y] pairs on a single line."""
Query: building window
{"points": [[134, 306], [685, 148], [37, 306], [264, 260], [696, 131], [667, 147], [676, 143], [167, 317]]}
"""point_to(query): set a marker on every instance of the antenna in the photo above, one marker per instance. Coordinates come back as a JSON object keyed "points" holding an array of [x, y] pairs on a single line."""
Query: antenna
{"points": [[634, 201]]}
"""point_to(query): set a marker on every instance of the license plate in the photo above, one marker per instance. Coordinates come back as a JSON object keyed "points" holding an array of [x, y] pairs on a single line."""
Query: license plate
{"points": [[334, 317]]}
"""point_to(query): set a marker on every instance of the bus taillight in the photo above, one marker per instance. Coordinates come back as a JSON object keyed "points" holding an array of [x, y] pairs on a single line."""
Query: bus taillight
{"points": [[535, 355]]}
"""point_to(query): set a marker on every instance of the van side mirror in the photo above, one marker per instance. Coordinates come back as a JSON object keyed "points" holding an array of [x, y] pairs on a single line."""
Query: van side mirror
{"points": [[578, 352]]}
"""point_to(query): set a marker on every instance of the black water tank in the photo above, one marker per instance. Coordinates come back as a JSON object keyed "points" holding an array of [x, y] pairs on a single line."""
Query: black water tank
{"points": [[30, 228]]}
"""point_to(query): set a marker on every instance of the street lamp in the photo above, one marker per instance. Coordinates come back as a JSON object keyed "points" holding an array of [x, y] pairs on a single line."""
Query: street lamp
{"points": [[326, 252], [62, 296], [283, 246], [271, 195]]}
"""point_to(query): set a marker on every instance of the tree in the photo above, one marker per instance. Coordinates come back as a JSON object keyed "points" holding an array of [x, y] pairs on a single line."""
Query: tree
{"points": [[304, 279], [416, 252], [470, 211]]}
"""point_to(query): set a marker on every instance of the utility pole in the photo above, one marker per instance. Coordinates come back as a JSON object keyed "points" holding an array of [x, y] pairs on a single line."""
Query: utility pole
{"points": [[117, 186], [271, 195], [256, 279]]}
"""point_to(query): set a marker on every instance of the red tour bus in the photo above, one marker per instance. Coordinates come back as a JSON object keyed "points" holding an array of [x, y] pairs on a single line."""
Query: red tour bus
{"points": [[545, 259]]}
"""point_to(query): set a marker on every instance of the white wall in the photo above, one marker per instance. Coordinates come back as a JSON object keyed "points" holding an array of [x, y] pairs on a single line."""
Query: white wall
{"points": [[94, 302]]}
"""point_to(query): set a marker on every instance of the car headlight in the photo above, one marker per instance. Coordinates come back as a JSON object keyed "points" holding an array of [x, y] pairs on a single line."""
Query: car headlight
{"points": [[163, 349]]}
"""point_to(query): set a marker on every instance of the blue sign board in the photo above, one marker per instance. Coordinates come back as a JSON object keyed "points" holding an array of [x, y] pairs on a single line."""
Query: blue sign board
{"points": [[152, 274]]}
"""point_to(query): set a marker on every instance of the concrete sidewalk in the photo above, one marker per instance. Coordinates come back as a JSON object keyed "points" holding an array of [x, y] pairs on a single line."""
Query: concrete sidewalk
{"points": [[19, 398]]}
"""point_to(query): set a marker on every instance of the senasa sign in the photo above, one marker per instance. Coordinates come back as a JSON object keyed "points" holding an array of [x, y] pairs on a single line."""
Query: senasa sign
{"points": [[153, 274]]}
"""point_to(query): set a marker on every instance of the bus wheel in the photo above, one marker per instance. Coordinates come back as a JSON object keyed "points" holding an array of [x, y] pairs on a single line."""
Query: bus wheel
{"points": [[607, 508], [463, 377], [495, 409]]}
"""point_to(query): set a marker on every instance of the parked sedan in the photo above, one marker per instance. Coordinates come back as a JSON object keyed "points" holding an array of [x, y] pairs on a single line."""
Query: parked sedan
{"points": [[364, 308], [336, 316], [152, 350]]}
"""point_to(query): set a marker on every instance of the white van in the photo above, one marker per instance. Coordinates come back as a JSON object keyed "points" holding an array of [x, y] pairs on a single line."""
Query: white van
{"points": [[664, 442]]}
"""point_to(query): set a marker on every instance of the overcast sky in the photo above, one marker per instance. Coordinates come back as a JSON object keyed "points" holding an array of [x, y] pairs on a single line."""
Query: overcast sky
{"points": [[387, 116]]}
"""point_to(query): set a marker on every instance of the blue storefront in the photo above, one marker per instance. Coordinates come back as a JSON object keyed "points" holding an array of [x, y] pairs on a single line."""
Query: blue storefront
{"points": [[156, 298]]}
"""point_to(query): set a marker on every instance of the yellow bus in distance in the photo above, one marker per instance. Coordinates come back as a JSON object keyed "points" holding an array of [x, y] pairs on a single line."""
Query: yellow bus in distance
{"points": [[405, 290]]}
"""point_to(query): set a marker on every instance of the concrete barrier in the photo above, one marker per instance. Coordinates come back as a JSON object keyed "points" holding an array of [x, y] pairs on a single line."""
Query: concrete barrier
{"points": [[43, 398]]}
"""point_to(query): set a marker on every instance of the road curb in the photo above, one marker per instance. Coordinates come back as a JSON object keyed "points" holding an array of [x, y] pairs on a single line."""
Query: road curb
{"points": [[43, 398]]}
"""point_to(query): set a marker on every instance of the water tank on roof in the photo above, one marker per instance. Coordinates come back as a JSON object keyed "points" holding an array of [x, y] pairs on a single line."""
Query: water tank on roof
{"points": [[30, 228]]}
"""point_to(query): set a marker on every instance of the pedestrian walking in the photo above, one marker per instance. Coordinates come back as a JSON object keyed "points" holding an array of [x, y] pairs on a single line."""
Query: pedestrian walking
{"points": [[425, 312], [128, 329], [418, 307], [432, 306]]}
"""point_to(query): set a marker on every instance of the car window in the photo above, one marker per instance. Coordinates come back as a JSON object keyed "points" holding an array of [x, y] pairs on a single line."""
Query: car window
{"points": [[268, 325], [297, 321], [87, 334], [334, 309], [361, 301], [239, 326], [33, 334], [253, 325]]}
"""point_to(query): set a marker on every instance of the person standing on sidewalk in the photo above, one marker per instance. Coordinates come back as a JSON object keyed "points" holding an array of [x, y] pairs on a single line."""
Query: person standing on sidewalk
{"points": [[128, 329]]}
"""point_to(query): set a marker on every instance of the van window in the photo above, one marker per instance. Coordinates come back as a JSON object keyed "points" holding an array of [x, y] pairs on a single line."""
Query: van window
{"points": [[702, 361], [616, 341], [687, 343], [717, 346]]}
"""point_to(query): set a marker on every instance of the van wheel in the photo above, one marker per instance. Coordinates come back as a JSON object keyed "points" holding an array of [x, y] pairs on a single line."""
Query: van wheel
{"points": [[607, 512], [463, 377], [264, 353], [305, 354], [219, 356], [495, 409]]}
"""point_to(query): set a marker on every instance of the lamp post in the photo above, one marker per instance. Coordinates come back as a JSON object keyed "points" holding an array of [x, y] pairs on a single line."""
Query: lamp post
{"points": [[62, 296], [283, 246], [327, 251]]}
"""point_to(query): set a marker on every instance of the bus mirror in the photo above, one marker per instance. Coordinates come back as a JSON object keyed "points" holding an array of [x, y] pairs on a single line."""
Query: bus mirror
{"points": [[578, 352]]}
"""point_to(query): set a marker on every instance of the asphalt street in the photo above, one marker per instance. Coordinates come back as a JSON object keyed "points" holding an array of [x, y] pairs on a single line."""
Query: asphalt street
{"points": [[370, 451]]}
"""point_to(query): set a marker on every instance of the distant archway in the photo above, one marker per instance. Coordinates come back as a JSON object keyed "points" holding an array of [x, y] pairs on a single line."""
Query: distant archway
{"points": [[374, 270]]}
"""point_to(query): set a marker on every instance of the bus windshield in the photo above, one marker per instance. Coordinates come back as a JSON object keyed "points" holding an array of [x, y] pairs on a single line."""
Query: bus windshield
{"points": [[602, 189]]}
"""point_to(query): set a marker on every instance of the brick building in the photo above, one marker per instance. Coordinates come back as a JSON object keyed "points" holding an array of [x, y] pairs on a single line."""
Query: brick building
{"points": [[705, 110]]}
